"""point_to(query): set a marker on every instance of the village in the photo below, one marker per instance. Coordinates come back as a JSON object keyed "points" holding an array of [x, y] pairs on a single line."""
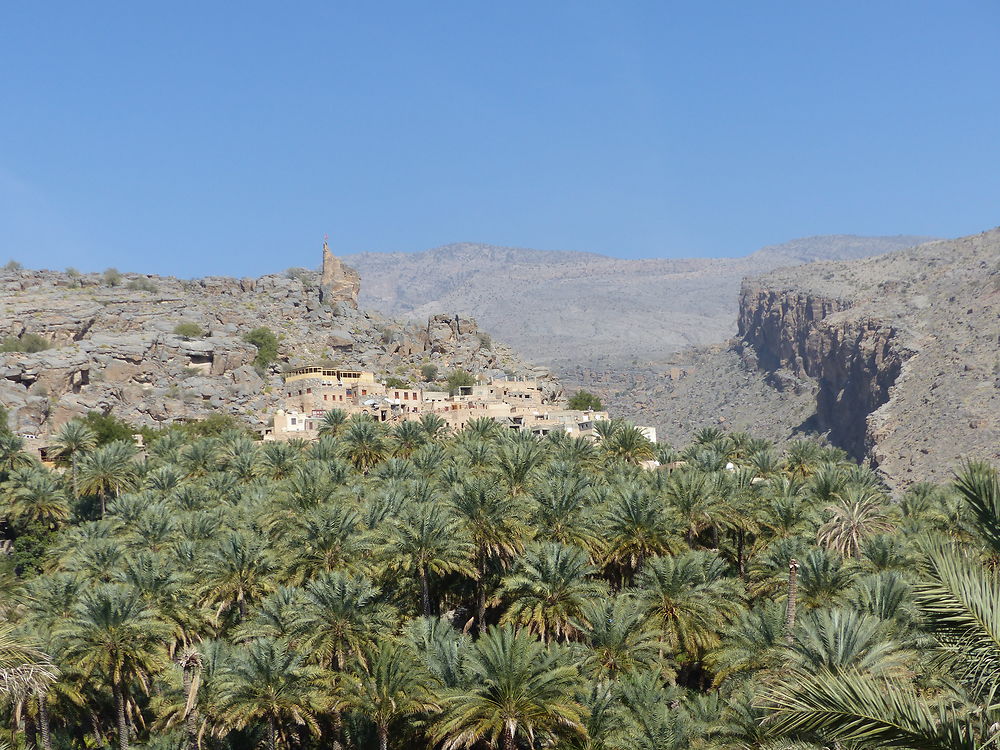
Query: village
{"points": [[518, 404]]}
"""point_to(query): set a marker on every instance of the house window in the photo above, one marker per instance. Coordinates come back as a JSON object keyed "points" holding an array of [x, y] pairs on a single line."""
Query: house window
{"points": [[309, 390], [293, 420], [396, 394], [324, 397]]}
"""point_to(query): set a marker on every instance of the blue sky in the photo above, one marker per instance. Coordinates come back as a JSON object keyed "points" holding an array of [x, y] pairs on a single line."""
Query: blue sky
{"points": [[198, 138]]}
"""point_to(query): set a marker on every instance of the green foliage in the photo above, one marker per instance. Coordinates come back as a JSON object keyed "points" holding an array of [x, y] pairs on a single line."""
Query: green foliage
{"points": [[429, 372], [266, 343], [26, 342], [459, 379], [584, 400], [402, 586], [112, 277], [395, 382], [107, 428], [12, 265], [143, 285], [188, 330]]}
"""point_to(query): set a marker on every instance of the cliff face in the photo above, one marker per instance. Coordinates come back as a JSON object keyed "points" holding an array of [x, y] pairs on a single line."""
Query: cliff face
{"points": [[901, 352], [117, 348], [853, 359]]}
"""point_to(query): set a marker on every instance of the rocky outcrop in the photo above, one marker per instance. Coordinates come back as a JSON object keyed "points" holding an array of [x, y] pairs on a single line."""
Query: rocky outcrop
{"points": [[115, 349], [338, 281], [853, 359]]}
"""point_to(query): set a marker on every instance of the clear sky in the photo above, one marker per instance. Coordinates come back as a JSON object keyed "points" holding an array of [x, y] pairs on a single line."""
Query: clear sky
{"points": [[198, 137]]}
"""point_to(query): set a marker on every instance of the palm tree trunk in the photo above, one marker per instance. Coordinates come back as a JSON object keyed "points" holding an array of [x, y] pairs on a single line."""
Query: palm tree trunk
{"points": [[338, 730], [508, 739], [95, 722], [30, 733], [120, 714], [383, 738], [272, 734], [191, 720], [76, 490], [481, 596], [425, 591], [740, 553], [43, 720], [793, 592]]}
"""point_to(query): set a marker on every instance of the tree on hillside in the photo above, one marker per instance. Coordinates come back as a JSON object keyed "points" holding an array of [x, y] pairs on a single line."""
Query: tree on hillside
{"points": [[267, 346], [584, 401], [459, 379]]}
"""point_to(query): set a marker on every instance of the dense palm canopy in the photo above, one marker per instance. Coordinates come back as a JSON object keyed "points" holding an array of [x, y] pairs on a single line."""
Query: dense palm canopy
{"points": [[405, 587]]}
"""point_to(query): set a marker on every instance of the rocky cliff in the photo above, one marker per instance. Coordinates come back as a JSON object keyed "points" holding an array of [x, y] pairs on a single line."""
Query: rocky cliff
{"points": [[895, 358], [853, 360], [566, 309], [155, 349], [901, 351]]}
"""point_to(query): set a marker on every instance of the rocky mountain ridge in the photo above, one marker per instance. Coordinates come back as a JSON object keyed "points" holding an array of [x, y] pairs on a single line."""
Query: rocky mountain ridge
{"points": [[117, 348], [567, 309], [895, 358]]}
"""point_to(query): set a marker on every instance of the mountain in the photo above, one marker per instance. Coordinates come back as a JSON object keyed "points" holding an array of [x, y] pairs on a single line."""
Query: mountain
{"points": [[566, 308], [893, 357], [73, 343]]}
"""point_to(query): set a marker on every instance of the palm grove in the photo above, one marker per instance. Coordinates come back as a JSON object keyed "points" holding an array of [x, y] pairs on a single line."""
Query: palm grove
{"points": [[410, 588]]}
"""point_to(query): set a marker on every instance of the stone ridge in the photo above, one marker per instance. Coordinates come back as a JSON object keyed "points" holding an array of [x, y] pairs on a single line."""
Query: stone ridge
{"points": [[902, 351], [568, 309], [114, 349], [338, 281]]}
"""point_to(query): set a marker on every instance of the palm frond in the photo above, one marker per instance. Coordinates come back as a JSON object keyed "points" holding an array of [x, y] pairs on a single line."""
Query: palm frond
{"points": [[960, 604], [852, 707]]}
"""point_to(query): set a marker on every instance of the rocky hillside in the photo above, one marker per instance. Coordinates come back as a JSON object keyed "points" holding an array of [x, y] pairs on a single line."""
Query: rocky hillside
{"points": [[896, 358], [114, 344], [567, 308]]}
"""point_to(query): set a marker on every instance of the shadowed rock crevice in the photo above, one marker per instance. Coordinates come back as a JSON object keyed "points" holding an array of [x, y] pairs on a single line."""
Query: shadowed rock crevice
{"points": [[854, 360]]}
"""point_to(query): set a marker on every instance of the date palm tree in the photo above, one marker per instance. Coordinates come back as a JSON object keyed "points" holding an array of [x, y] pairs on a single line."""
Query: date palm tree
{"points": [[563, 512], [35, 496], [859, 515], [628, 444], [434, 425], [619, 636], [959, 601], [235, 572], [332, 422], [388, 686], [521, 690], [12, 455], [342, 616], [691, 598], [549, 590], [113, 634], [406, 438], [363, 444], [108, 471], [636, 528], [268, 681], [24, 668], [74, 439], [426, 540], [494, 524]]}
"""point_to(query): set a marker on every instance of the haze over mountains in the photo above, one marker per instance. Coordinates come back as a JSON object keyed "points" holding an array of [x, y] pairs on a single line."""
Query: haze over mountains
{"points": [[565, 308]]}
